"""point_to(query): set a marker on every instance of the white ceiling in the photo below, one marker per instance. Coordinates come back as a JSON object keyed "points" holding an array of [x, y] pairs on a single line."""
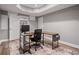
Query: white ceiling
{"points": [[34, 9]]}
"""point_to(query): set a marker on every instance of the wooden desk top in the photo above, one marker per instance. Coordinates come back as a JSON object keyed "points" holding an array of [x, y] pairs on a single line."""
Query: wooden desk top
{"points": [[27, 34], [48, 33]]}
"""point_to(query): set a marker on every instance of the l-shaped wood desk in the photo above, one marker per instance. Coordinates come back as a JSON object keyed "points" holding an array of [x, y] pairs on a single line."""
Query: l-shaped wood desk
{"points": [[49, 33], [31, 33]]}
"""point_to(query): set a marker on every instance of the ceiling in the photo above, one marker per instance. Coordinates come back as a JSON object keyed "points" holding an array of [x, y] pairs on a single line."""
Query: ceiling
{"points": [[34, 9]]}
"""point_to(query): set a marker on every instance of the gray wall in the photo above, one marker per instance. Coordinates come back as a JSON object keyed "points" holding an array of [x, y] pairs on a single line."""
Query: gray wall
{"points": [[33, 25], [65, 22], [3, 27]]}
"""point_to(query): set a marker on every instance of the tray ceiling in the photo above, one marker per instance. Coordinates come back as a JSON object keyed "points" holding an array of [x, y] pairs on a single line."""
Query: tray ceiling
{"points": [[34, 9]]}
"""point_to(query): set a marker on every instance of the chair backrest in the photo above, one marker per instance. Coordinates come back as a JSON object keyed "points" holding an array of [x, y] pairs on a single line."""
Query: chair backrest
{"points": [[37, 34]]}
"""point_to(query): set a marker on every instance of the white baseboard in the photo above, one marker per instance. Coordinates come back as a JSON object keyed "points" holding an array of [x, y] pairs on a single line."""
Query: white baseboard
{"points": [[12, 39], [3, 40], [69, 44], [6, 40]]}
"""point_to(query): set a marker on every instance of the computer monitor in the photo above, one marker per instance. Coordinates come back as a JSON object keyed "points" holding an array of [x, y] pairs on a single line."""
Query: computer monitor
{"points": [[25, 28]]}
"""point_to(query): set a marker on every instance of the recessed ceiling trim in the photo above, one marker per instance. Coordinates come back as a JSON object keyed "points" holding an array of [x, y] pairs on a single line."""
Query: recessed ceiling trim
{"points": [[33, 6], [35, 10]]}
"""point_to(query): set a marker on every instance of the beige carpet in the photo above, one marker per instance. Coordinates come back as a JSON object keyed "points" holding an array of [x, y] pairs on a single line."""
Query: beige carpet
{"points": [[61, 50], [4, 48]]}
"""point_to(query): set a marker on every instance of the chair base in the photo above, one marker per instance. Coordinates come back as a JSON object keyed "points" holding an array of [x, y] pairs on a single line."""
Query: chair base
{"points": [[37, 46], [22, 51]]}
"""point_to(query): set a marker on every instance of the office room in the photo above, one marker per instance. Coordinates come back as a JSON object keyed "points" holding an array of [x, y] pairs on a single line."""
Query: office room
{"points": [[39, 29]]}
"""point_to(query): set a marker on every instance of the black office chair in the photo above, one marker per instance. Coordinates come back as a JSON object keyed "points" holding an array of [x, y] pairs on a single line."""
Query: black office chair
{"points": [[37, 38], [56, 38]]}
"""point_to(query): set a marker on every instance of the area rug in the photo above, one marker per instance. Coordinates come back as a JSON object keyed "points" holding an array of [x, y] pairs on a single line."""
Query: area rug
{"points": [[46, 50]]}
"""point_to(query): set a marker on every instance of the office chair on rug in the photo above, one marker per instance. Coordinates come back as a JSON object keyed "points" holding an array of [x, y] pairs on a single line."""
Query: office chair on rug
{"points": [[37, 38]]}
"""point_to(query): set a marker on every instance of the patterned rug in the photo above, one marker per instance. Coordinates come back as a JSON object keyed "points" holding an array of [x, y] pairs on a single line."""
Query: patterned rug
{"points": [[47, 50]]}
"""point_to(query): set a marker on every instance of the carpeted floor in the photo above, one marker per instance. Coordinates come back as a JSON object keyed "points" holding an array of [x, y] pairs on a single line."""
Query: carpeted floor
{"points": [[4, 48], [61, 50]]}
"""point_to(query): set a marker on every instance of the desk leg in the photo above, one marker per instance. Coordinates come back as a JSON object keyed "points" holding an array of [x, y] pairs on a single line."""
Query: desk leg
{"points": [[43, 39], [20, 48], [29, 46], [24, 42], [24, 50], [23, 45], [20, 42], [52, 42]]}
